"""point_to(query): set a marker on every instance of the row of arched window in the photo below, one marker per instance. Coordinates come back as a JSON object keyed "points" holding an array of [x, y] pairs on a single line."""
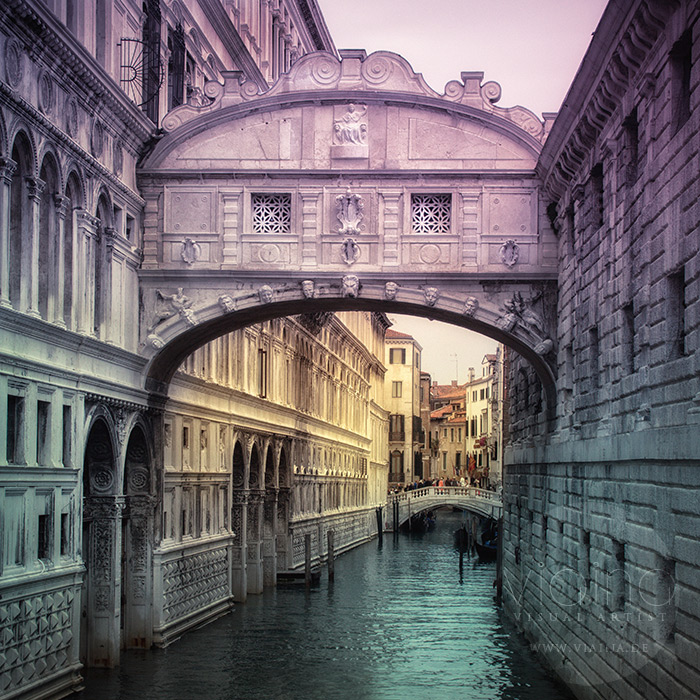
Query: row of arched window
{"points": [[56, 252]]}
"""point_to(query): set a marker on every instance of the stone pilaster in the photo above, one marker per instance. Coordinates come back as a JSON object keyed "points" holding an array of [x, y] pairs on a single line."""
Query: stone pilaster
{"points": [[254, 563], [87, 239], [239, 521], [29, 290], [7, 169], [103, 516], [390, 225], [56, 312], [270, 539]]}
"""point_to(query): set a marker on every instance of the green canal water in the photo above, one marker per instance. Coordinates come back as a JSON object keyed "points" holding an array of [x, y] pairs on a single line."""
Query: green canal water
{"points": [[398, 623]]}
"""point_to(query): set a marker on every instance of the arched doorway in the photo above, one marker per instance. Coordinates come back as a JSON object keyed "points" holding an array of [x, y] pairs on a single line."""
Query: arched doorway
{"points": [[254, 568], [102, 513]]}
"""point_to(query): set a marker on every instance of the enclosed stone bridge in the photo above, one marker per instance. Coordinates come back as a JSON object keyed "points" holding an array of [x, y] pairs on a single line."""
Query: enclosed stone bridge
{"points": [[348, 185], [401, 506]]}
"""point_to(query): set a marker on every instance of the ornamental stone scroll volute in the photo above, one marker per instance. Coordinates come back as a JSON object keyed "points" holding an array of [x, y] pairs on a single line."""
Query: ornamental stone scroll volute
{"points": [[350, 213]]}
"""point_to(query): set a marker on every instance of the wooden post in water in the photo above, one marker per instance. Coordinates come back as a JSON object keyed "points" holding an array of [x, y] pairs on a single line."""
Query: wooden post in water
{"points": [[307, 560], [331, 557], [380, 532], [499, 563]]}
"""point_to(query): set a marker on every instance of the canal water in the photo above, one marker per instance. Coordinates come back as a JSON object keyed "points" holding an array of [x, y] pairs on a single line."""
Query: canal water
{"points": [[398, 623]]}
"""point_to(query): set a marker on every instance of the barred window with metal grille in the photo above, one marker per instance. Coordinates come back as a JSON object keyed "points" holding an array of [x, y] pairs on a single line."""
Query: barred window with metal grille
{"points": [[272, 213], [431, 213]]}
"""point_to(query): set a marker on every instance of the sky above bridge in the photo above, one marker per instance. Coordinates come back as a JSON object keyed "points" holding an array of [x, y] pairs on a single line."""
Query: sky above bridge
{"points": [[533, 48]]}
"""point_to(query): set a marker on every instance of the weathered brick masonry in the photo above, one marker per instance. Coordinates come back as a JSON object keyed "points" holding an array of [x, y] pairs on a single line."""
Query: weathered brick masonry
{"points": [[602, 563]]}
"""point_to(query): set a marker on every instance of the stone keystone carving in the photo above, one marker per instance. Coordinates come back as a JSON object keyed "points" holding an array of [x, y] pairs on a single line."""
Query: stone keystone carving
{"points": [[350, 213], [509, 252], [351, 286], [172, 304]]}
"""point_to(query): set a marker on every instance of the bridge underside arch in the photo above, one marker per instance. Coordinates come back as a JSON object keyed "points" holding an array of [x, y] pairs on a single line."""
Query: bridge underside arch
{"points": [[348, 185]]}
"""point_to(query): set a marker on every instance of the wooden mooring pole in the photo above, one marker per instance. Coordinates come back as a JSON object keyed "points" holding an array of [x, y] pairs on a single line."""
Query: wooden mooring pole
{"points": [[331, 557], [307, 560], [380, 525]]}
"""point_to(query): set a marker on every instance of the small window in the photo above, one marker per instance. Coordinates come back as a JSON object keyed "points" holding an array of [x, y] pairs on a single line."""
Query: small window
{"points": [[15, 418], [431, 213], [43, 409], [185, 437], [66, 457], [597, 196], [262, 373], [681, 65], [631, 126], [272, 213], [397, 356], [65, 534], [44, 537], [129, 228], [396, 390]]}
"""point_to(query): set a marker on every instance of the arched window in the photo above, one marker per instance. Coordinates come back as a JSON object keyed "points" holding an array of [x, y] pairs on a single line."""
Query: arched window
{"points": [[100, 289], [48, 273], [73, 199], [19, 218]]}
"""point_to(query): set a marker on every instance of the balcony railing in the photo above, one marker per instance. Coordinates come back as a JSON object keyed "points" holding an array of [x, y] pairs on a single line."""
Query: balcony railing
{"points": [[397, 436]]}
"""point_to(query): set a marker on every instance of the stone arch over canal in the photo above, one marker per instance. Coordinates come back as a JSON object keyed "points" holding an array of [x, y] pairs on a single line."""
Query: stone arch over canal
{"points": [[349, 184]]}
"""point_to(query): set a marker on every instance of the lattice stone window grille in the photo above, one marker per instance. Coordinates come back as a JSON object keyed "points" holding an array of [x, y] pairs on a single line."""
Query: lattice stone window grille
{"points": [[272, 213], [431, 213]]}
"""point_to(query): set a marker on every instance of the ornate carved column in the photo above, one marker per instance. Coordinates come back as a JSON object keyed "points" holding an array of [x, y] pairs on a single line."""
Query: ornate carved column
{"points": [[60, 270], [284, 543], [254, 565], [29, 290], [239, 522], [270, 538], [102, 552], [86, 239], [7, 169], [138, 627]]}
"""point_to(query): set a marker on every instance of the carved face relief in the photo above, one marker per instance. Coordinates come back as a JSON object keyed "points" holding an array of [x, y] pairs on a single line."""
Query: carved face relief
{"points": [[470, 306], [227, 303], [432, 294], [351, 286], [390, 290], [265, 292], [308, 289]]}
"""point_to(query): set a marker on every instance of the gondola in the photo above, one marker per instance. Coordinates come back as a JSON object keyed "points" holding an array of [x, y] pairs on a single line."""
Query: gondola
{"points": [[486, 552]]}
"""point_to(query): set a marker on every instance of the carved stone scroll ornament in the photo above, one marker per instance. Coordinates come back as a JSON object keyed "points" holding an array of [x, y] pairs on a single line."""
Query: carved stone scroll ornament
{"points": [[190, 251], [350, 213], [518, 311], [351, 286], [432, 294], [509, 252], [350, 251]]}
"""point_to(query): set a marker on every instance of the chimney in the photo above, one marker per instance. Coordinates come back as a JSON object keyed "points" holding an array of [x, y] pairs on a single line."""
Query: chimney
{"points": [[471, 374], [454, 382]]}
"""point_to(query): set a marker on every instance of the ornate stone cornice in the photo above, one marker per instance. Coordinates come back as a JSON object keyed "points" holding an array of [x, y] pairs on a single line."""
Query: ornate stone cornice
{"points": [[632, 29], [80, 65]]}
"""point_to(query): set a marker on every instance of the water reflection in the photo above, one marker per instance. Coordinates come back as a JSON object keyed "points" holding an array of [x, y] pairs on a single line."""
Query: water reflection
{"points": [[397, 624]]}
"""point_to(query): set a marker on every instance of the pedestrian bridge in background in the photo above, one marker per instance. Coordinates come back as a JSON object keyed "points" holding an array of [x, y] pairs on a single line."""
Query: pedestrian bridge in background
{"points": [[401, 506]]}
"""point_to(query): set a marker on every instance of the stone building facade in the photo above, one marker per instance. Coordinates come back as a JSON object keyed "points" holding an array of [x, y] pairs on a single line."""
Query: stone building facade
{"points": [[601, 520], [402, 400]]}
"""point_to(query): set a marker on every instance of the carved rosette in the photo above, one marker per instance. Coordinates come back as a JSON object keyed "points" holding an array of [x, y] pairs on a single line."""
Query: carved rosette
{"points": [[14, 62]]}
